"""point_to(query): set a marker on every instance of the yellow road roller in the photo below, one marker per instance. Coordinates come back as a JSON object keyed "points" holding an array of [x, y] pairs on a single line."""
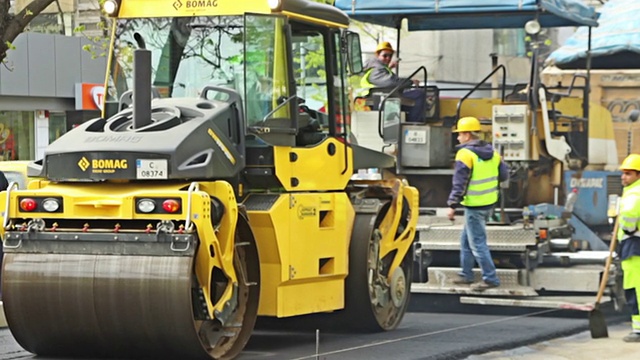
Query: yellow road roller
{"points": [[220, 184]]}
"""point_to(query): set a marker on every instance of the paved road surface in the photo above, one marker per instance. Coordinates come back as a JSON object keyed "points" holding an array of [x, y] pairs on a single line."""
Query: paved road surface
{"points": [[433, 329]]}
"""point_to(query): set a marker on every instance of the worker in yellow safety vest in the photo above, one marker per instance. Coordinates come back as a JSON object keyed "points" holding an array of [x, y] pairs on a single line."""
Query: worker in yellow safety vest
{"points": [[629, 240], [378, 73], [478, 171]]}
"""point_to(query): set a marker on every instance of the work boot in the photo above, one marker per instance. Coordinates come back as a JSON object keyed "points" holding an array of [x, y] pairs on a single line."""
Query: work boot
{"points": [[632, 337], [462, 281], [483, 285]]}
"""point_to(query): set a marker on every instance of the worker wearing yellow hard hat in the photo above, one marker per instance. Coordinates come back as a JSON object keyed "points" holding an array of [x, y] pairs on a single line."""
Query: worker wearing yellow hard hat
{"points": [[629, 238], [478, 171], [385, 45], [378, 74], [468, 124]]}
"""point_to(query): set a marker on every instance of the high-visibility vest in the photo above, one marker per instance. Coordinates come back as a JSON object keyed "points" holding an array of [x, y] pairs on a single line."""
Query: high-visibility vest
{"points": [[366, 85], [629, 212], [482, 189]]}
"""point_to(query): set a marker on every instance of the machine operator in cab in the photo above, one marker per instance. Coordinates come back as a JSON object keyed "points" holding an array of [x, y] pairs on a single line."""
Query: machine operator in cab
{"points": [[478, 171], [378, 74], [629, 240]]}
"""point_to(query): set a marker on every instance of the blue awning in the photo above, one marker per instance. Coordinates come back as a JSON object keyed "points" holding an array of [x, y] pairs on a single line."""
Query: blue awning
{"points": [[615, 44], [469, 14]]}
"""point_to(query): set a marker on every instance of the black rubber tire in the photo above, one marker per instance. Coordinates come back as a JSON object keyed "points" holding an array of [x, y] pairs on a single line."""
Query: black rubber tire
{"points": [[360, 313]]}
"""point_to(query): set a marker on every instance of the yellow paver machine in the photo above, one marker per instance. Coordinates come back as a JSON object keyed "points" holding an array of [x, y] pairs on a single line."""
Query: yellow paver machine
{"points": [[216, 187]]}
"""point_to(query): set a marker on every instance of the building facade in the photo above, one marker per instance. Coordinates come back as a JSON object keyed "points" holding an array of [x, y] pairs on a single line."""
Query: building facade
{"points": [[48, 84]]}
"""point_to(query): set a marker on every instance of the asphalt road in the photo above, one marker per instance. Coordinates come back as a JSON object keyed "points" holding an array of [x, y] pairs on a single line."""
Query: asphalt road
{"points": [[434, 328]]}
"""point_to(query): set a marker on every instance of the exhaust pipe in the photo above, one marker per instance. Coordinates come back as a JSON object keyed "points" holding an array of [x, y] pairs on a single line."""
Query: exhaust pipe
{"points": [[141, 85]]}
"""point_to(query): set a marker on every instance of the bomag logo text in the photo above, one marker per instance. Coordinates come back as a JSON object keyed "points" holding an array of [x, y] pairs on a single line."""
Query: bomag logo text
{"points": [[109, 164], [190, 4], [101, 166]]}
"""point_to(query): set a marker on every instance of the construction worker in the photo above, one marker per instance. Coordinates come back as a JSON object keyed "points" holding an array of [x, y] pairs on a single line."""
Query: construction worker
{"points": [[378, 73], [629, 240], [478, 171]]}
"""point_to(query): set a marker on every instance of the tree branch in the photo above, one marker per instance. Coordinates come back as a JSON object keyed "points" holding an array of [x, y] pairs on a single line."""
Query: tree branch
{"points": [[22, 19]]}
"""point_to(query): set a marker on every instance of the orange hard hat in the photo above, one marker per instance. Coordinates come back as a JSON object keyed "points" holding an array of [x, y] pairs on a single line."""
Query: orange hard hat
{"points": [[385, 45]]}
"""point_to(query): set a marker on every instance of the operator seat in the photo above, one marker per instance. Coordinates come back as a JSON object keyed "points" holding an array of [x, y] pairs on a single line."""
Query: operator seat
{"points": [[377, 94]]}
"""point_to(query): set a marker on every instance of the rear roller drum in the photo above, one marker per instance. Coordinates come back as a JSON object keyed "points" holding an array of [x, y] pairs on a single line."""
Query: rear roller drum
{"points": [[372, 302]]}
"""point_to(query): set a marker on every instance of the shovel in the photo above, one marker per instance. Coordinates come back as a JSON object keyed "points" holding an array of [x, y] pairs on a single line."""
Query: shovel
{"points": [[597, 322]]}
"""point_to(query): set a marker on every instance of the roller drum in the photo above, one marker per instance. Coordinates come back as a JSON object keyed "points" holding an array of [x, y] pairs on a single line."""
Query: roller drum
{"points": [[101, 305]]}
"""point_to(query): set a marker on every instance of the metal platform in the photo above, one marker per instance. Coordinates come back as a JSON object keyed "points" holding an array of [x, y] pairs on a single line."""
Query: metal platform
{"points": [[441, 282], [579, 303], [499, 238], [579, 278], [466, 290], [516, 282]]}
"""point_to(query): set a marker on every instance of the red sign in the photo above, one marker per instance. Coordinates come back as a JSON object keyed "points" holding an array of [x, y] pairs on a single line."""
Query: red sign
{"points": [[89, 96]]}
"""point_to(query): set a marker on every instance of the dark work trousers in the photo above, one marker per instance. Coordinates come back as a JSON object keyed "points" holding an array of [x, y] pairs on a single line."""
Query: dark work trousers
{"points": [[417, 111]]}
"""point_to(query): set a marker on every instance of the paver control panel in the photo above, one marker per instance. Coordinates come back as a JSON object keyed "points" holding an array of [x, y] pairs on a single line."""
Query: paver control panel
{"points": [[510, 128]]}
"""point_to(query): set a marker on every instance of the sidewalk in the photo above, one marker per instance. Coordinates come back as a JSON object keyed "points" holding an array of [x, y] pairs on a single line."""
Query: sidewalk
{"points": [[3, 320], [576, 347]]}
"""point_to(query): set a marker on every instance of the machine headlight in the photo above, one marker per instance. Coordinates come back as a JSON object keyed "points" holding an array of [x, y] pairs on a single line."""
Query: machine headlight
{"points": [[532, 27], [274, 4], [158, 205], [110, 7], [41, 204], [146, 205], [51, 205]]}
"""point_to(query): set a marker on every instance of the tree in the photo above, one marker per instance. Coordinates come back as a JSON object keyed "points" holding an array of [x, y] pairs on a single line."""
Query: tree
{"points": [[11, 25]]}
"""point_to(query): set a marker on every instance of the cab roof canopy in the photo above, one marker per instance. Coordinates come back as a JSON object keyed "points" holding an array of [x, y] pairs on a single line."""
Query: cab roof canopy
{"points": [[305, 10], [469, 14], [313, 9]]}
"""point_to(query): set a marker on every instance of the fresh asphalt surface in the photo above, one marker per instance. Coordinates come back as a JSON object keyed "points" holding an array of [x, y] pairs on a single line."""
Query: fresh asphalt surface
{"points": [[436, 327]]}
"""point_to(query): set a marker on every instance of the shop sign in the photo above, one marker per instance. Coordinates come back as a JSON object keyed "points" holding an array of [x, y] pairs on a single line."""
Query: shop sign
{"points": [[89, 96]]}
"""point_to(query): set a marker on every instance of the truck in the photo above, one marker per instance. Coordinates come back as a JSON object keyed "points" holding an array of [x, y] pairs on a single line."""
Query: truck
{"points": [[208, 193], [554, 142]]}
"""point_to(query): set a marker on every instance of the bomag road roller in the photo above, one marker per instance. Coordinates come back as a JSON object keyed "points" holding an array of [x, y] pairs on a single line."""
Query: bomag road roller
{"points": [[216, 187]]}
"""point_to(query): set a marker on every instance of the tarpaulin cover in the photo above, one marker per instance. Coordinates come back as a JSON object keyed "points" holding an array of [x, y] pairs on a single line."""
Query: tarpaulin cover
{"points": [[615, 44], [469, 14]]}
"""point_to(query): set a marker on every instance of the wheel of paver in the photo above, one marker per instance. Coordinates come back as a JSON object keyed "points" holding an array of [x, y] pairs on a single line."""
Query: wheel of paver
{"points": [[372, 304], [130, 304]]}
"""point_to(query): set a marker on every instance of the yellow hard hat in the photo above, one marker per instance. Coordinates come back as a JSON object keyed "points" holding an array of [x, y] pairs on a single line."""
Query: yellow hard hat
{"points": [[468, 124], [384, 46], [632, 162]]}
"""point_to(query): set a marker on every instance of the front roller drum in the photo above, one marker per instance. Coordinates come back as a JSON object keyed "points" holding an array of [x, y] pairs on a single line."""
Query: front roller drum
{"points": [[121, 306]]}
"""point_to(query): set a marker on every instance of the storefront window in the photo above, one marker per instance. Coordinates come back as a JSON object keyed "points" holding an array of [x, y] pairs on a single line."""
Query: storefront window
{"points": [[57, 126], [17, 135]]}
